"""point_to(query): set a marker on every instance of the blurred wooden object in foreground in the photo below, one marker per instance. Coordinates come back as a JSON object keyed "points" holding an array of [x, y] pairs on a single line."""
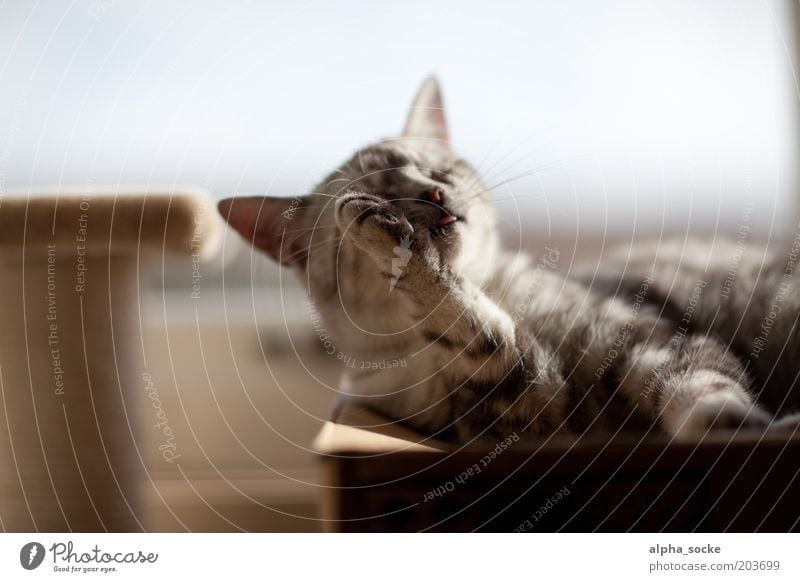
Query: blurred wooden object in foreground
{"points": [[381, 477], [72, 376]]}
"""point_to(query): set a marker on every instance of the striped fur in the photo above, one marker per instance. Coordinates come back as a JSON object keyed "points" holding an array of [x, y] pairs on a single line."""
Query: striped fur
{"points": [[499, 343]]}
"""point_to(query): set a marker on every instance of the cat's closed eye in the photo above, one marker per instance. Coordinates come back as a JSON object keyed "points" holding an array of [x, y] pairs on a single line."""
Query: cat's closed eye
{"points": [[443, 176]]}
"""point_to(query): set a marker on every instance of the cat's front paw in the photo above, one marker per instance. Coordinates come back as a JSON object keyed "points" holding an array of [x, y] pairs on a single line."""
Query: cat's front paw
{"points": [[717, 412], [373, 224], [401, 252]]}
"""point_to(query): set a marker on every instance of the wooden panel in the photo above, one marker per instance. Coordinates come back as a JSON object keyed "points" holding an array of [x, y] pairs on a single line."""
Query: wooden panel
{"points": [[741, 483]]}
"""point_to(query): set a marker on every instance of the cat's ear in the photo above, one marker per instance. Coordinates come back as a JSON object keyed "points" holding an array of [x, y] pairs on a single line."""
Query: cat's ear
{"points": [[427, 119], [265, 222]]}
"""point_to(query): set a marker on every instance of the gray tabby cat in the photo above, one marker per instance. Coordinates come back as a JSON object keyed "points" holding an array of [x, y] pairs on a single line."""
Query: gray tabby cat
{"points": [[400, 254]]}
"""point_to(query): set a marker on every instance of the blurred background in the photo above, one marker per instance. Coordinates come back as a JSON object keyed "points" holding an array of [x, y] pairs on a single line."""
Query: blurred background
{"points": [[593, 124]]}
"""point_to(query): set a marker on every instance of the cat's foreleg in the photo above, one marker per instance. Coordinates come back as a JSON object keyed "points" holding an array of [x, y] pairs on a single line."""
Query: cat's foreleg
{"points": [[700, 387], [447, 310], [497, 380]]}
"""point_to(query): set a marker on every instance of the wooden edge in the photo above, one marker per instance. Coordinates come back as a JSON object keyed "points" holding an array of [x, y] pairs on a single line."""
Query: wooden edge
{"points": [[357, 430], [337, 439], [102, 220]]}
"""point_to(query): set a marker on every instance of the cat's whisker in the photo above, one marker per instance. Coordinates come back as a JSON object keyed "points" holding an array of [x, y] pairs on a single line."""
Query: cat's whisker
{"points": [[323, 194], [523, 196], [305, 250], [479, 169], [335, 181], [308, 207], [481, 173], [531, 172], [516, 163], [314, 228]]}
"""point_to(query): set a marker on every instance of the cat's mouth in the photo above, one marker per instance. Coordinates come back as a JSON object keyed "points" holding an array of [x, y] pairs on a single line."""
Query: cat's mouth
{"points": [[445, 224], [447, 219], [437, 218]]}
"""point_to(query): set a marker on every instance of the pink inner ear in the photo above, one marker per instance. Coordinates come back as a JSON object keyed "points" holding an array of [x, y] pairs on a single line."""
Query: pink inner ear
{"points": [[262, 220], [438, 124], [427, 117]]}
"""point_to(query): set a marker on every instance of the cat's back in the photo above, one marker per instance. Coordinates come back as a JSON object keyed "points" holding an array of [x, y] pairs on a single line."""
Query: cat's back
{"points": [[743, 293]]}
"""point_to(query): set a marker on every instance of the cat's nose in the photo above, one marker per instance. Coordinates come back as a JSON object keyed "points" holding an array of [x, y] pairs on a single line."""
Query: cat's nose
{"points": [[435, 195]]}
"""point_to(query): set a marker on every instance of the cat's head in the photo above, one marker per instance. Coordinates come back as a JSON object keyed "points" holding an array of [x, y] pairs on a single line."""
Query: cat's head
{"points": [[417, 173]]}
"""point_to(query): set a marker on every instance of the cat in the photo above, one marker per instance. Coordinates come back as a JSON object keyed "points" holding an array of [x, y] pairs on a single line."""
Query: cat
{"points": [[400, 253]]}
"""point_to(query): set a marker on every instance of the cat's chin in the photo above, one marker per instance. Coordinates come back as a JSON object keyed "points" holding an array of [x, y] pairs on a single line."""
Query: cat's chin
{"points": [[447, 237], [444, 229]]}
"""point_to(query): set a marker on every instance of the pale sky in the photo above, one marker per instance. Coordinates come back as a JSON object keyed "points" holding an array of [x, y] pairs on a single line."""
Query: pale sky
{"points": [[606, 114]]}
